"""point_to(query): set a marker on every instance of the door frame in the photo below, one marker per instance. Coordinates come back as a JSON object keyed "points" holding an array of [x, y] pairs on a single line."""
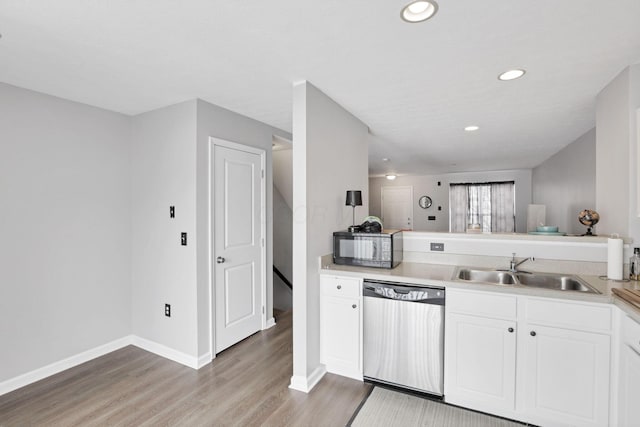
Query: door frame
{"points": [[213, 141], [410, 187]]}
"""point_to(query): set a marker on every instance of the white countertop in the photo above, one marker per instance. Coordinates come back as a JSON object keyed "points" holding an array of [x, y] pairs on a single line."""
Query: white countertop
{"points": [[442, 275], [510, 236]]}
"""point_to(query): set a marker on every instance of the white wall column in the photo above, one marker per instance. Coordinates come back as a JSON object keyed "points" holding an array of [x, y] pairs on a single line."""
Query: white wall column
{"points": [[330, 156]]}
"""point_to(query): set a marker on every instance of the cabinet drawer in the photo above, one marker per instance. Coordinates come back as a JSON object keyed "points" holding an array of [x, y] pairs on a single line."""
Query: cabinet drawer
{"points": [[341, 286], [486, 304], [631, 332], [568, 314]]}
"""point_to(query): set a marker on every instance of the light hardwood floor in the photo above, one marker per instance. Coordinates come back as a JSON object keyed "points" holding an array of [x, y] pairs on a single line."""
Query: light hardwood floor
{"points": [[245, 385]]}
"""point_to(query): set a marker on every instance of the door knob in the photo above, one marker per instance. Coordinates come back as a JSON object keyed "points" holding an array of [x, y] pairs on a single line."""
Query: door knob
{"points": [[353, 306], [510, 329], [532, 333], [220, 260]]}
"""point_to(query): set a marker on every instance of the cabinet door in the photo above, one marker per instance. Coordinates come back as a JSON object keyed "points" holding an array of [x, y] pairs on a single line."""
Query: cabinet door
{"points": [[480, 363], [629, 410], [565, 376], [340, 341]]}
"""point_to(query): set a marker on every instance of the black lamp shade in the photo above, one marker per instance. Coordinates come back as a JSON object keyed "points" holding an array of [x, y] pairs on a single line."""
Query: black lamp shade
{"points": [[354, 198]]}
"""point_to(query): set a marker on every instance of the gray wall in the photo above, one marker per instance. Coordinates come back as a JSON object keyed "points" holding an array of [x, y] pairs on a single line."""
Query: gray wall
{"points": [[612, 156], [566, 183], [427, 185], [329, 157], [283, 174], [634, 154], [282, 234], [65, 258], [282, 226], [282, 250], [617, 138], [163, 156]]}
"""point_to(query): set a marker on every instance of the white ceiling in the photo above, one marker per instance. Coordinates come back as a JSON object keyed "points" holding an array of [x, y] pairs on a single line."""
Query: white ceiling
{"points": [[415, 85]]}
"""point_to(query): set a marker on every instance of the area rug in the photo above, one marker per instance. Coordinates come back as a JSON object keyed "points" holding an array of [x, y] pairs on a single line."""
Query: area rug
{"points": [[384, 407]]}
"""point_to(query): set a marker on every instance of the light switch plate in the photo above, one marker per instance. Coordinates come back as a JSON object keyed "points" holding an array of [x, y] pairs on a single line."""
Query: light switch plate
{"points": [[437, 247]]}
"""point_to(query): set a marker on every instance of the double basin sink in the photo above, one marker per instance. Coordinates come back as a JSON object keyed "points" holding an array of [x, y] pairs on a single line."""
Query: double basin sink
{"points": [[559, 282]]}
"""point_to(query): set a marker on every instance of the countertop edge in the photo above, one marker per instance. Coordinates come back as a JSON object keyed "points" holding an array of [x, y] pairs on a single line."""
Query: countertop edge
{"points": [[442, 275]]}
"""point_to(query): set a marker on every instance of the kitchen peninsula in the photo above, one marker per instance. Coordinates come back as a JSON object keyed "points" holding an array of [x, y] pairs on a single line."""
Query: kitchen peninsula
{"points": [[541, 356]]}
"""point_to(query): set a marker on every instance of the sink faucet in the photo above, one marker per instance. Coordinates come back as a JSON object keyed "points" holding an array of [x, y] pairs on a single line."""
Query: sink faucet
{"points": [[513, 264]]}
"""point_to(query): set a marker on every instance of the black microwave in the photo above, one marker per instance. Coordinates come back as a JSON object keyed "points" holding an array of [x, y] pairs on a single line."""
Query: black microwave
{"points": [[383, 250]]}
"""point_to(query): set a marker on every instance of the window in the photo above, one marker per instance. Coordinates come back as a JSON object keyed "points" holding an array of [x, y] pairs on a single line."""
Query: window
{"points": [[490, 204]]}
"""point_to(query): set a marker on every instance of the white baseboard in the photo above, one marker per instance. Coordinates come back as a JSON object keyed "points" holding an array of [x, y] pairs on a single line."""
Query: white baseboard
{"points": [[56, 367], [64, 364], [167, 352], [316, 376], [299, 382], [305, 384], [270, 323], [203, 360]]}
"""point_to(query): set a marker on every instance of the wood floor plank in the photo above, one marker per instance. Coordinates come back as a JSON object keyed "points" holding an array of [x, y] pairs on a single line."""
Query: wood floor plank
{"points": [[246, 385]]}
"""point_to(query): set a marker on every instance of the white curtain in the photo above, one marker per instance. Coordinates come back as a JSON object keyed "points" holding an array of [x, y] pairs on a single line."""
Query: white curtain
{"points": [[503, 218], [491, 205], [458, 208], [480, 206]]}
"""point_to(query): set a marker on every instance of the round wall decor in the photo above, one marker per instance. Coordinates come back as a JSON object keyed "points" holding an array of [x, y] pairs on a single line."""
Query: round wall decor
{"points": [[425, 202]]}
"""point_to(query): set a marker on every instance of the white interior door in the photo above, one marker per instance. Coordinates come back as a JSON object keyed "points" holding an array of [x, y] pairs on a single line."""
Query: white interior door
{"points": [[238, 242], [397, 208]]}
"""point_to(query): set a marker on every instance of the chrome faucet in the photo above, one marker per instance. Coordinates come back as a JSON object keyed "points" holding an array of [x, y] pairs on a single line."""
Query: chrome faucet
{"points": [[513, 264]]}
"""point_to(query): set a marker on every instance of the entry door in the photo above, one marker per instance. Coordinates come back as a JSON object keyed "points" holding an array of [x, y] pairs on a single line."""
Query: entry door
{"points": [[238, 255], [397, 208]]}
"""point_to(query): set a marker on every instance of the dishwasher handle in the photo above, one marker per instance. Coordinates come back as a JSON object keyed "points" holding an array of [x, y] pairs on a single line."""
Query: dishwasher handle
{"points": [[415, 294]]}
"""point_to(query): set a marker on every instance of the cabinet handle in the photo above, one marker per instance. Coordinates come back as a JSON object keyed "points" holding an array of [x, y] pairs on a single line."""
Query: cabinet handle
{"points": [[532, 333], [339, 286], [353, 306], [510, 330]]}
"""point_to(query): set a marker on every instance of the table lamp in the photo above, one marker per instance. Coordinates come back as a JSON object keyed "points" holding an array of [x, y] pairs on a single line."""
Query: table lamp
{"points": [[354, 198]]}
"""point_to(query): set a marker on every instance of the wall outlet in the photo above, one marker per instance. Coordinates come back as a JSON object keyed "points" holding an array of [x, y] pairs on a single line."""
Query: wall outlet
{"points": [[172, 211], [183, 239], [437, 247], [167, 310]]}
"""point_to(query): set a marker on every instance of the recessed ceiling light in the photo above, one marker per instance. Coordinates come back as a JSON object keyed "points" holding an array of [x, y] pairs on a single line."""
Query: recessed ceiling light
{"points": [[511, 75], [419, 10], [390, 176], [471, 128]]}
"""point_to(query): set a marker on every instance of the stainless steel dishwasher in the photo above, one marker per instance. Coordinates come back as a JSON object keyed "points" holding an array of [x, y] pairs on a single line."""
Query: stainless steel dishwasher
{"points": [[404, 335]]}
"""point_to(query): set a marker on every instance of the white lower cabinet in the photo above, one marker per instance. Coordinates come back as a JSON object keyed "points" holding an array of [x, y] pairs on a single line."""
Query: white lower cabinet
{"points": [[480, 351], [565, 376], [547, 371], [341, 325], [480, 368], [629, 375]]}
